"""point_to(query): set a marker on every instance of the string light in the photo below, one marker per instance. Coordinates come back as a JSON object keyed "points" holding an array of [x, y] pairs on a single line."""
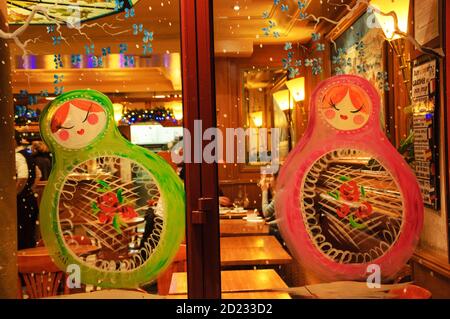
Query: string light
{"points": [[160, 114]]}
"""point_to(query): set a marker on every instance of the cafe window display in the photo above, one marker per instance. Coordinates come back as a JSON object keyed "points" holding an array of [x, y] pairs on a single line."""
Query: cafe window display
{"points": [[115, 210]]}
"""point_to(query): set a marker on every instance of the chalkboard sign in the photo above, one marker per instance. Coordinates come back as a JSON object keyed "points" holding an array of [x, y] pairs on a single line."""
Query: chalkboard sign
{"points": [[425, 101]]}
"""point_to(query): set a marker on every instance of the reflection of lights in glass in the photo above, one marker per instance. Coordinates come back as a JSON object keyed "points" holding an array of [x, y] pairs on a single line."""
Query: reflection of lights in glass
{"points": [[283, 99], [236, 7], [257, 118], [177, 108], [297, 88], [118, 111], [401, 9], [423, 108]]}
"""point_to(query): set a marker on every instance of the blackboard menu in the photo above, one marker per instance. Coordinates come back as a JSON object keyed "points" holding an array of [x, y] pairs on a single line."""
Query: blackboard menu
{"points": [[425, 100]]}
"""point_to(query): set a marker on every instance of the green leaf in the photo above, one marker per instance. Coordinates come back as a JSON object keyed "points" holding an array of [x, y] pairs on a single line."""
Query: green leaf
{"points": [[103, 183], [105, 187], [116, 223], [354, 224], [119, 196], [334, 194], [95, 208], [344, 178], [363, 191]]}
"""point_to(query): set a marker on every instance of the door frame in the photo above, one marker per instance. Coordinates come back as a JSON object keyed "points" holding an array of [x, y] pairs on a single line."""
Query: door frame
{"points": [[201, 179], [446, 105]]}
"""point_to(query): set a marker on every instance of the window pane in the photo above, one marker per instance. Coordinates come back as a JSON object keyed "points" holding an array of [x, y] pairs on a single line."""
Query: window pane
{"points": [[112, 211], [314, 199]]}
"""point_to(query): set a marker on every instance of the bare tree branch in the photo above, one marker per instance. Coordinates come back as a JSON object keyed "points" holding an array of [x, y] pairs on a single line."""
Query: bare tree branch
{"points": [[42, 10]]}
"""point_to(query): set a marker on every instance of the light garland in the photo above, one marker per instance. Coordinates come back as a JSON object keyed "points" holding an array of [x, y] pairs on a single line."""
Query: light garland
{"points": [[160, 115]]}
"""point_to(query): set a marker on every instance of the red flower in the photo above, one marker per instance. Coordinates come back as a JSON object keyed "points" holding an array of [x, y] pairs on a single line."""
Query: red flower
{"points": [[343, 211], [108, 202], [350, 191], [128, 212], [365, 210], [105, 218]]}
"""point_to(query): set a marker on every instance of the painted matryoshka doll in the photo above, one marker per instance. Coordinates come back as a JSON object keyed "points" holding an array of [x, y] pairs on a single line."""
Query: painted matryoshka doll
{"points": [[346, 198], [105, 192]]}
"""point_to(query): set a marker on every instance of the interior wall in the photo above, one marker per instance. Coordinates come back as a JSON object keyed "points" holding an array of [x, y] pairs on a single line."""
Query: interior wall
{"points": [[435, 227], [434, 236], [235, 178]]}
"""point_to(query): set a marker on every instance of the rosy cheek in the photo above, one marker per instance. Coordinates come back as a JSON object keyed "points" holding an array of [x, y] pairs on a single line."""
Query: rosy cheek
{"points": [[64, 135], [92, 119], [330, 114], [358, 119]]}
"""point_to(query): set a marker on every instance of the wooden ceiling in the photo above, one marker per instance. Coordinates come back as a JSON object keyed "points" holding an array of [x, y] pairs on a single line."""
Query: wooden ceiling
{"points": [[236, 31], [236, 34]]}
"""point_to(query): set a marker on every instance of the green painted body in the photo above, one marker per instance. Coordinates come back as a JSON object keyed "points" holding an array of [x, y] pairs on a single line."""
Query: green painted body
{"points": [[109, 143]]}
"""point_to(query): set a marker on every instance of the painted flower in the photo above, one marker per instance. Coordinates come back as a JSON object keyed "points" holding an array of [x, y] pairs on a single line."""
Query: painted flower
{"points": [[128, 212], [343, 211], [108, 202], [105, 218], [365, 210], [350, 191]]}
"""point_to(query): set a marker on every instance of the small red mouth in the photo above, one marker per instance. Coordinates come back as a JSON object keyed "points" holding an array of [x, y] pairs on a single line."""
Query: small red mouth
{"points": [[81, 132], [344, 117]]}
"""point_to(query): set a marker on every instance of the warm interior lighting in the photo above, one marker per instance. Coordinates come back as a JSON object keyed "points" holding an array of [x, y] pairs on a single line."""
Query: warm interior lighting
{"points": [[401, 9], [118, 111], [283, 99], [177, 108], [297, 88], [257, 118]]}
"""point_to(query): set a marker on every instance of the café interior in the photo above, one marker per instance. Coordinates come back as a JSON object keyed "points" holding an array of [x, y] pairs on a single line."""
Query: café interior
{"points": [[108, 191]]}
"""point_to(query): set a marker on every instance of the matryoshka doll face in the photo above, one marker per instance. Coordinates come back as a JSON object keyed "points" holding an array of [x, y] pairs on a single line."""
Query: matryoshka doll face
{"points": [[77, 123], [346, 107]]}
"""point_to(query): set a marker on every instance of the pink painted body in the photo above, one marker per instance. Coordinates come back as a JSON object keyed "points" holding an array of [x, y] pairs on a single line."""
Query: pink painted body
{"points": [[321, 138]]}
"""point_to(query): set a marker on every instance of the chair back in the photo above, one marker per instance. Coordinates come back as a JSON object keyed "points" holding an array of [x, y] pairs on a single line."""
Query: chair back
{"points": [[42, 278]]}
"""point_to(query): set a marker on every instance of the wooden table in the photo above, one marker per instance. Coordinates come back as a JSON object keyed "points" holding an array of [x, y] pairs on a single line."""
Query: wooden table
{"points": [[109, 294], [235, 281], [239, 227], [79, 250], [252, 250], [244, 295], [127, 294], [232, 214]]}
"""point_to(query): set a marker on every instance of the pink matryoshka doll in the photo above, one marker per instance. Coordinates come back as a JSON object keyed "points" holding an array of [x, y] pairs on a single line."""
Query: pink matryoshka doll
{"points": [[346, 199]]}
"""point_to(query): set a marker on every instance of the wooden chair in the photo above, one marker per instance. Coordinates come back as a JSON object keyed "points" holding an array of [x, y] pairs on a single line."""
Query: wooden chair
{"points": [[41, 276], [404, 275], [178, 265]]}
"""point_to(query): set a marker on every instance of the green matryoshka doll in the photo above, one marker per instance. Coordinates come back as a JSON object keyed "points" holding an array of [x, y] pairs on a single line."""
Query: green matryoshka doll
{"points": [[107, 193]]}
